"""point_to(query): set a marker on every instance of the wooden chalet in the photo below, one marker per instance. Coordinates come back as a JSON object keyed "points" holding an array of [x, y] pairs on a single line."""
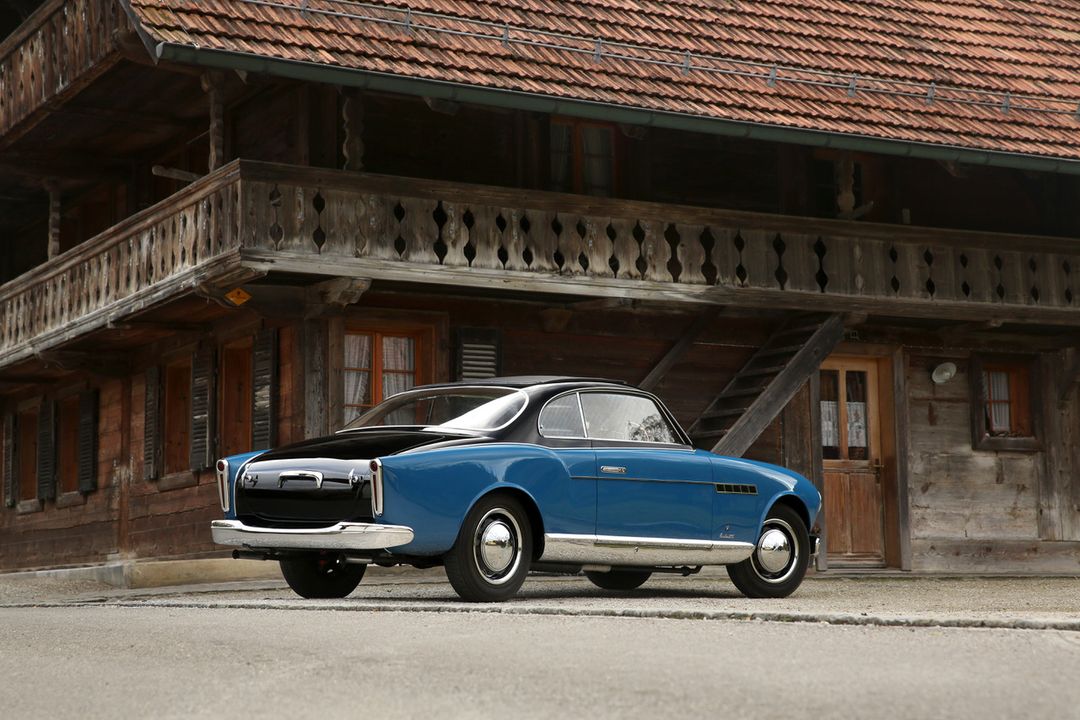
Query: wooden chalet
{"points": [[840, 236]]}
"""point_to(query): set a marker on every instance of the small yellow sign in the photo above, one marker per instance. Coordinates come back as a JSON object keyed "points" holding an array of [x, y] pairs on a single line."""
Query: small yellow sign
{"points": [[238, 296]]}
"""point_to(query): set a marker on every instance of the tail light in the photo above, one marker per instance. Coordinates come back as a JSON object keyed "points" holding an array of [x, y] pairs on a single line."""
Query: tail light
{"points": [[376, 488], [223, 483]]}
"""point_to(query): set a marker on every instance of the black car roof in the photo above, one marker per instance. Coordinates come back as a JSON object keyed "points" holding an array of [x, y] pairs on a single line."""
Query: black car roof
{"points": [[523, 381]]}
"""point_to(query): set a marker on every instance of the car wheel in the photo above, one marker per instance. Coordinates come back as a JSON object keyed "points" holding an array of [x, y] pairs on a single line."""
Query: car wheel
{"points": [[778, 563], [317, 576], [618, 579], [491, 557]]}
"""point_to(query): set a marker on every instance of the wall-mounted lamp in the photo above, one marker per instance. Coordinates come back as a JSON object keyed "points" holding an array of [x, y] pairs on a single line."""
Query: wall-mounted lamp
{"points": [[943, 373]]}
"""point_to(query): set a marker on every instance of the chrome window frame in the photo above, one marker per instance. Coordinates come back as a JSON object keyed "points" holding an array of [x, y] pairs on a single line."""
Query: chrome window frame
{"points": [[665, 413]]}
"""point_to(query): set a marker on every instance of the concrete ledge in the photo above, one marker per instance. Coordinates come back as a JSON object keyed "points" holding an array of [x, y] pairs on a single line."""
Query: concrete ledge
{"points": [[160, 573]]}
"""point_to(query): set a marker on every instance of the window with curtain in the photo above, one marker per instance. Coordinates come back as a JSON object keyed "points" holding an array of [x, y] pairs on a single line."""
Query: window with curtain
{"points": [[1003, 409], [379, 365], [582, 157]]}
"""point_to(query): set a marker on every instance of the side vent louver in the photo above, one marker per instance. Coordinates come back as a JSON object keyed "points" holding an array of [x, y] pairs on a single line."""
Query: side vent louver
{"points": [[478, 354]]}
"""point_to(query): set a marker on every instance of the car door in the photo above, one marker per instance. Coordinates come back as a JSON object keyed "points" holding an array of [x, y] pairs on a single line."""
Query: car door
{"points": [[570, 510], [649, 484]]}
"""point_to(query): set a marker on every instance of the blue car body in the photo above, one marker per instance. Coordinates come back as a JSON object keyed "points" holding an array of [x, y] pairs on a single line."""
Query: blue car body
{"points": [[599, 474]]}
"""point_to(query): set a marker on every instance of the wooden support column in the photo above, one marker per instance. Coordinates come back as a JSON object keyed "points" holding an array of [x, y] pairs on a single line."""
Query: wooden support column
{"points": [[213, 84], [352, 123], [314, 344], [54, 220]]}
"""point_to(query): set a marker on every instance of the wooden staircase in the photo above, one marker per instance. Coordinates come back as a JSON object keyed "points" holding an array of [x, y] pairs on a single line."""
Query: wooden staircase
{"points": [[768, 381]]}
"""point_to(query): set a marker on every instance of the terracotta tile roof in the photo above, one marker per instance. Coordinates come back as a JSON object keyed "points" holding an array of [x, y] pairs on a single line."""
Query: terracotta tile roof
{"points": [[988, 75]]}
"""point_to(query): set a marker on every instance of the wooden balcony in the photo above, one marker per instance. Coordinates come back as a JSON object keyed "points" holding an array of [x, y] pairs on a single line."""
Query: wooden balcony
{"points": [[252, 218], [60, 48]]}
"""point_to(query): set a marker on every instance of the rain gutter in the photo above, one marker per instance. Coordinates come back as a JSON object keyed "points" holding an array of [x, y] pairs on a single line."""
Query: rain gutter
{"points": [[513, 99]]}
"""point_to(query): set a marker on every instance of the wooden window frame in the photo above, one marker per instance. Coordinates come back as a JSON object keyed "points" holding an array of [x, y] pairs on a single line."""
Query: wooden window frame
{"points": [[423, 357], [26, 410], [577, 153], [173, 421], [1023, 400]]}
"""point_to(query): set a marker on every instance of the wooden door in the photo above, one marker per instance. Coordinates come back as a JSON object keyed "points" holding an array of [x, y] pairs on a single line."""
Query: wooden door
{"points": [[852, 461]]}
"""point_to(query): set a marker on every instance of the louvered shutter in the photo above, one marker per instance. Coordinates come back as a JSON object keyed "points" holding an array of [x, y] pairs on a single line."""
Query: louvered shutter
{"points": [[479, 354], [202, 409], [152, 425], [46, 459], [264, 390], [10, 482], [88, 431]]}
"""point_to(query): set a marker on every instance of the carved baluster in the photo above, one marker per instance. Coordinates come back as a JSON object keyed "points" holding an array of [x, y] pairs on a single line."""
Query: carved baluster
{"points": [[691, 253], [518, 223], [543, 242], [484, 237], [454, 235], [418, 230]]}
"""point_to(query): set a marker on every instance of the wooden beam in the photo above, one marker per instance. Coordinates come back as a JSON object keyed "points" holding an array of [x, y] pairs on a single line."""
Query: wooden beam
{"points": [[106, 364], [675, 353], [160, 325], [1067, 381], [54, 220], [213, 84], [333, 296], [174, 174]]}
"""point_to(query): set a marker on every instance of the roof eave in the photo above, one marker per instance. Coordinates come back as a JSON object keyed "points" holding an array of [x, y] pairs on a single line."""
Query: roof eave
{"points": [[512, 99]]}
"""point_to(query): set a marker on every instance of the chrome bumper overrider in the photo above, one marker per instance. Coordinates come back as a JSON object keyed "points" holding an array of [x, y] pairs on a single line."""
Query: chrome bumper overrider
{"points": [[342, 536]]}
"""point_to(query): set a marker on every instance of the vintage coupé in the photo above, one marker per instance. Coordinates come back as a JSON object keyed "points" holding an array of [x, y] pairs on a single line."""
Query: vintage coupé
{"points": [[494, 478]]}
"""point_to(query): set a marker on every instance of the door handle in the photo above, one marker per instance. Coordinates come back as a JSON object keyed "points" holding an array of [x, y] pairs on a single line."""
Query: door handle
{"points": [[613, 469]]}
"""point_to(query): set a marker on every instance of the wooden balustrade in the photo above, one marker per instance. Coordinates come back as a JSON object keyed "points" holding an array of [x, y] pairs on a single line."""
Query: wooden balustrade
{"points": [[261, 217], [63, 45], [151, 256], [719, 255]]}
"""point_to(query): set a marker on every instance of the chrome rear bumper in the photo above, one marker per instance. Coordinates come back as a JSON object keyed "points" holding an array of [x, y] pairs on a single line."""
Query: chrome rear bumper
{"points": [[342, 536]]}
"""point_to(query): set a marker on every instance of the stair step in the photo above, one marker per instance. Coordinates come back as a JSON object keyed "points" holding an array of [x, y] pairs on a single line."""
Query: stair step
{"points": [[797, 330], [717, 414], [746, 392], [708, 435], [773, 352], [758, 372]]}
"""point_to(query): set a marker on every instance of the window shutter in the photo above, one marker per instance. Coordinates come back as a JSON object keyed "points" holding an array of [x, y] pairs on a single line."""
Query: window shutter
{"points": [[202, 409], [10, 482], [46, 459], [88, 429], [264, 390], [152, 425], [479, 354]]}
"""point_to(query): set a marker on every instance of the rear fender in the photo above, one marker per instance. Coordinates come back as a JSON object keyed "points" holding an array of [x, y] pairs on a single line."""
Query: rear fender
{"points": [[432, 491]]}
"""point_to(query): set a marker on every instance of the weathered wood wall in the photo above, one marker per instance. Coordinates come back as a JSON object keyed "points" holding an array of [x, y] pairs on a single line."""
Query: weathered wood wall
{"points": [[973, 510]]}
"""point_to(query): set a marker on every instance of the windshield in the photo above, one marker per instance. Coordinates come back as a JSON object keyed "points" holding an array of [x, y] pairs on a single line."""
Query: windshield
{"points": [[465, 408]]}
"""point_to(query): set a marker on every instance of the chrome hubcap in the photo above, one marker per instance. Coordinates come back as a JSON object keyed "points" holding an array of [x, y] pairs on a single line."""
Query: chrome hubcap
{"points": [[497, 546], [777, 553], [774, 550]]}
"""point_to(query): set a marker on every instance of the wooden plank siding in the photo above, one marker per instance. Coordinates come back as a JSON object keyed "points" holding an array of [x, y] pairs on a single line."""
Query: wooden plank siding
{"points": [[57, 51], [249, 218]]}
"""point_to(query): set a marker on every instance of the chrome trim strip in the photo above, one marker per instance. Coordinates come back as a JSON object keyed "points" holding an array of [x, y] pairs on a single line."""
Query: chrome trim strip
{"points": [[626, 550], [342, 536], [223, 484], [613, 469], [376, 488]]}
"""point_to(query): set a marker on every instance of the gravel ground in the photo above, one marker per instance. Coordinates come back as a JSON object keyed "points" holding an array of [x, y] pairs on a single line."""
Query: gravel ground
{"points": [[996, 601]]}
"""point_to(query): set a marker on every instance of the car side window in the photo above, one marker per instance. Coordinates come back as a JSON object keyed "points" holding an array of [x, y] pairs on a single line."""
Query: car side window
{"points": [[612, 416], [561, 418]]}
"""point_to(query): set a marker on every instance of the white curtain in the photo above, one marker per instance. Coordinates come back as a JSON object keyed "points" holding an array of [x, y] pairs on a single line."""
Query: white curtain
{"points": [[399, 365], [357, 382], [996, 387]]}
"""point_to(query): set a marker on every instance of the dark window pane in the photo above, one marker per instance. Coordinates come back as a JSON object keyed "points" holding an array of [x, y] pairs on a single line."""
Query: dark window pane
{"points": [[858, 421], [830, 414]]}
